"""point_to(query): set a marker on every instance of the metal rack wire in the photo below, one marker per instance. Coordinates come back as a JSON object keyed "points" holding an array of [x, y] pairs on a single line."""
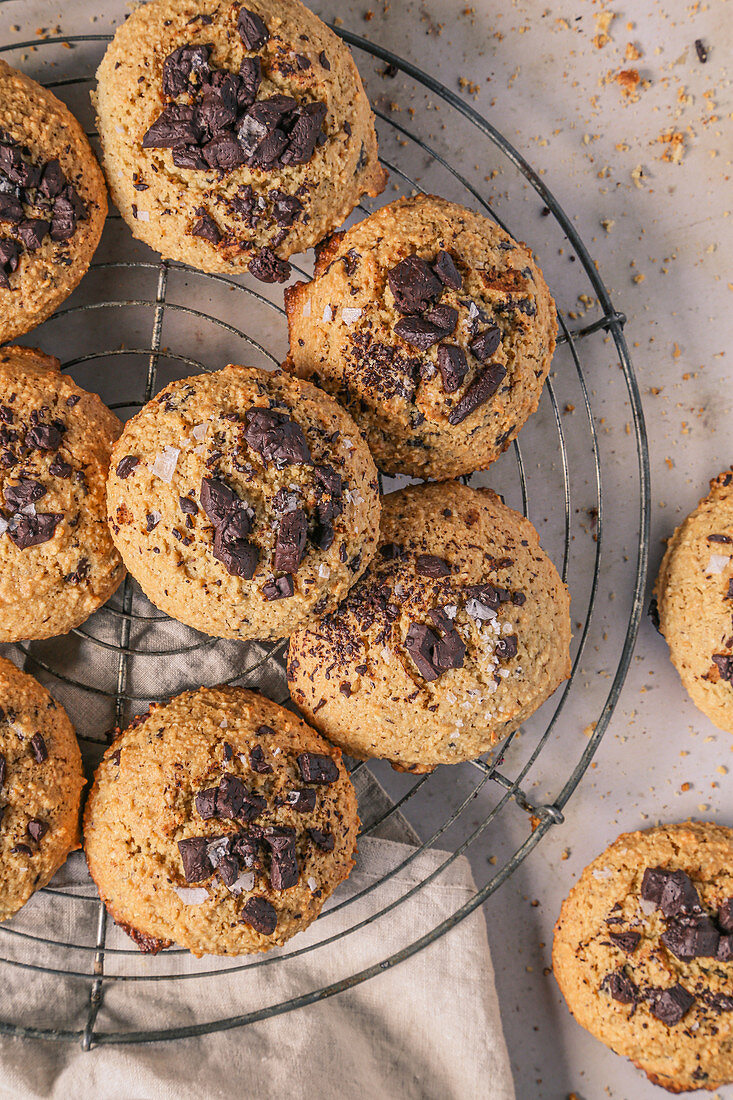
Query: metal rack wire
{"points": [[186, 311]]}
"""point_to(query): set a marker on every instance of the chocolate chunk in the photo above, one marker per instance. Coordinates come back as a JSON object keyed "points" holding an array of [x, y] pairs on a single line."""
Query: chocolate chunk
{"points": [[281, 588], [257, 761], [228, 870], [725, 914], [432, 655], [291, 540], [205, 227], [724, 662], [24, 492], [626, 941], [34, 530], [218, 500], [443, 623], [302, 801], [429, 565], [245, 846], [325, 63], [701, 50], [52, 180], [487, 594], [285, 208], [277, 438], [174, 127], [205, 803], [225, 153], [9, 259], [670, 1005], [265, 731], [414, 285], [671, 891], [304, 134], [11, 209], [252, 29], [453, 366], [484, 386], [620, 987], [506, 647], [32, 232], [218, 107], [323, 840], [284, 862], [719, 538], [21, 850], [725, 951], [260, 915], [43, 437], [65, 215], [151, 521], [36, 828], [196, 866], [230, 796], [266, 267], [443, 317], [250, 72], [445, 268], [80, 573], [180, 65], [691, 937], [652, 884], [317, 769], [126, 465], [485, 343], [418, 332], [236, 553], [188, 156], [302, 61], [327, 478], [188, 506]]}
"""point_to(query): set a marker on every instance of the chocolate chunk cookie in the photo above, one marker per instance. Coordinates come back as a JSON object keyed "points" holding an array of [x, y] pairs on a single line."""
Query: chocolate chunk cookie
{"points": [[41, 780], [58, 563], [219, 822], [433, 328], [643, 953], [694, 594], [455, 634], [53, 203], [234, 135], [244, 502]]}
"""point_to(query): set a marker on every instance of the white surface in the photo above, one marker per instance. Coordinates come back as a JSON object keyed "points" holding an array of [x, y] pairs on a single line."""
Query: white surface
{"points": [[541, 80]]}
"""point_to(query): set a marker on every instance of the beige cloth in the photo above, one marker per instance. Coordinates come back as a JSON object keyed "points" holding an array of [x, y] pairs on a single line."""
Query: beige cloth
{"points": [[426, 1028]]}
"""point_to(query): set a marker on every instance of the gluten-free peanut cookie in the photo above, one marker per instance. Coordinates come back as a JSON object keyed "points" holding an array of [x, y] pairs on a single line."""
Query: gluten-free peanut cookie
{"points": [[244, 502], [234, 135], [455, 634], [53, 203], [58, 563], [694, 594], [433, 328], [643, 952], [220, 822], [41, 780]]}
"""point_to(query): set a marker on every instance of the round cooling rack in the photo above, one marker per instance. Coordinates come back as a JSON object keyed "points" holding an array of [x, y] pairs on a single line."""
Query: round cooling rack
{"points": [[579, 471]]}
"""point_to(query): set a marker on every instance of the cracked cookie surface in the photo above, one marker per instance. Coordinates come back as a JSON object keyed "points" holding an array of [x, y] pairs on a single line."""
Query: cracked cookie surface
{"points": [[234, 135], [221, 822], [433, 328], [456, 633], [245, 502], [643, 952]]}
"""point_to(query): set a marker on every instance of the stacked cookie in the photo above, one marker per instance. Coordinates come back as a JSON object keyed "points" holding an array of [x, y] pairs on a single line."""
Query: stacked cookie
{"points": [[424, 626]]}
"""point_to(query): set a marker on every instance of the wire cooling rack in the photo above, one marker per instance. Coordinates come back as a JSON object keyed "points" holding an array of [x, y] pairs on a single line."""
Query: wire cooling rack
{"points": [[579, 468]]}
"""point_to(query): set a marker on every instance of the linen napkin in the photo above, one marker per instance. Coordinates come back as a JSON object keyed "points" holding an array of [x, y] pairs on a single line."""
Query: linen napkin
{"points": [[426, 1027]]}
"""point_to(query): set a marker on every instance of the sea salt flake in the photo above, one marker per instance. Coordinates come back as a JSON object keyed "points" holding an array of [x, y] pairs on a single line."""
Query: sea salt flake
{"points": [[312, 884], [143, 216], [717, 563], [216, 850], [451, 610], [350, 315], [120, 129], [199, 432], [647, 906], [165, 463], [191, 895], [223, 725], [327, 314], [324, 571], [602, 872], [155, 518], [28, 509], [479, 611], [245, 882], [348, 443], [3, 525], [307, 309]]}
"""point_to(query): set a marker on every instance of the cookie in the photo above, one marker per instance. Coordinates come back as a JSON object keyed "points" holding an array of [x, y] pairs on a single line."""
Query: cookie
{"points": [[53, 203], [455, 634], [433, 328], [41, 780], [643, 953], [694, 594], [234, 136], [58, 563], [244, 502], [220, 822]]}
